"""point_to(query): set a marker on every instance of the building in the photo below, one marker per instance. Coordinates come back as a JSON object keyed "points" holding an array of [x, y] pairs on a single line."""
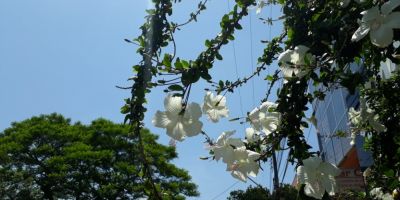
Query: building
{"points": [[332, 119]]}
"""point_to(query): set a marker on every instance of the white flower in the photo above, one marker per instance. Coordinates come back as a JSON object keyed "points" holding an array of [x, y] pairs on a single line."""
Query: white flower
{"points": [[353, 138], [223, 147], [245, 164], [354, 116], [318, 177], [215, 106], [366, 114], [264, 119], [379, 23], [252, 135], [260, 6], [367, 172], [396, 44], [387, 69], [179, 123], [377, 193], [293, 62]]}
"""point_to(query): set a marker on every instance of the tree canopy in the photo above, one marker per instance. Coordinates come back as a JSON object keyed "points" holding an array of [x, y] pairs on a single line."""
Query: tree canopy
{"points": [[48, 157]]}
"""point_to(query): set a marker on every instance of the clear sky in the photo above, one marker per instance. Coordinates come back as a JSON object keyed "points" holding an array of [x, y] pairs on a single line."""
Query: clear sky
{"points": [[66, 56]]}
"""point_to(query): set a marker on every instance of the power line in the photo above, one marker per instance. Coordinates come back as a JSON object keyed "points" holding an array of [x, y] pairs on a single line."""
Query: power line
{"points": [[237, 74], [251, 56], [223, 192]]}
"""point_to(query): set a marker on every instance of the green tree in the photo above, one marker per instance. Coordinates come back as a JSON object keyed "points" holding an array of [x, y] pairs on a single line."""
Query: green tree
{"points": [[47, 157], [251, 193], [287, 192]]}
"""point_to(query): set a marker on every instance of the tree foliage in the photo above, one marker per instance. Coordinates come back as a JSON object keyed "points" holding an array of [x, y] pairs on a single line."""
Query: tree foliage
{"points": [[287, 192], [48, 157]]}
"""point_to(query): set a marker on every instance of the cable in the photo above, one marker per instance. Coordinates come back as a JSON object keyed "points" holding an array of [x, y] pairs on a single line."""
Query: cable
{"points": [[237, 74], [284, 172], [251, 56], [218, 195], [270, 176]]}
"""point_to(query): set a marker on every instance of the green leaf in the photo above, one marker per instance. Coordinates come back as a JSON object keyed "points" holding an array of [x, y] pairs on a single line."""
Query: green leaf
{"points": [[218, 56], [185, 64], [221, 84], [205, 75], [178, 64], [208, 43], [175, 88], [136, 68], [127, 118], [234, 119], [269, 78], [125, 109], [167, 60]]}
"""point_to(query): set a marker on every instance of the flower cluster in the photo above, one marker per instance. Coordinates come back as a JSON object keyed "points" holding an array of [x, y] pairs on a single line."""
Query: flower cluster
{"points": [[318, 177], [377, 193], [240, 161], [365, 114], [183, 121], [265, 118]]}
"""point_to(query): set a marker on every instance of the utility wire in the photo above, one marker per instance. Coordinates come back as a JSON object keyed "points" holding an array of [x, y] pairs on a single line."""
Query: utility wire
{"points": [[251, 56], [237, 73], [223, 192]]}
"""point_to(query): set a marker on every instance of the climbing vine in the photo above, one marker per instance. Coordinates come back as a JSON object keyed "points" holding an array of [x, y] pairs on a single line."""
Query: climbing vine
{"points": [[321, 43]]}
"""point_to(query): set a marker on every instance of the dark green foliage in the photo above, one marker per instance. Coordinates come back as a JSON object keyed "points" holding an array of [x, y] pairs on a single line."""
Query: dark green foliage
{"points": [[251, 193], [47, 157], [286, 192]]}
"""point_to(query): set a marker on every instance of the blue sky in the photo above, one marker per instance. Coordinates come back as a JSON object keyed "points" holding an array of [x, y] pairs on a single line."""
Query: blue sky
{"points": [[66, 56]]}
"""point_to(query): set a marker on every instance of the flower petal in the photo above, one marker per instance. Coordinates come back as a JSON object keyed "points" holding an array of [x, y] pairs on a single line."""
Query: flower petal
{"points": [[360, 33], [382, 37], [214, 115], [329, 183], [193, 110], [173, 104], [312, 163], [193, 129], [370, 14], [389, 6], [328, 168], [236, 142], [314, 190], [393, 20], [160, 120], [301, 49], [285, 58], [226, 153], [260, 6], [300, 174], [250, 134], [239, 175], [176, 131]]}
